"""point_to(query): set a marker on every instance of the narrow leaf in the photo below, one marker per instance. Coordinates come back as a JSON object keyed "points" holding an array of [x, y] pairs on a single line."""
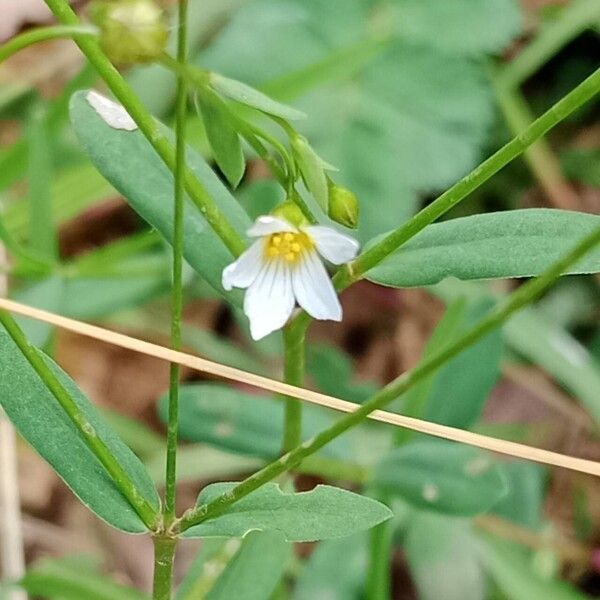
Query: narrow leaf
{"points": [[245, 94], [41, 421], [442, 476], [313, 171], [323, 513], [132, 166], [224, 140], [516, 243]]}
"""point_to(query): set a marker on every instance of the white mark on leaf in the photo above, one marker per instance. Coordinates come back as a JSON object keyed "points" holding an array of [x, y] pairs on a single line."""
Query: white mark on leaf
{"points": [[112, 114], [477, 466], [223, 429], [431, 492]]}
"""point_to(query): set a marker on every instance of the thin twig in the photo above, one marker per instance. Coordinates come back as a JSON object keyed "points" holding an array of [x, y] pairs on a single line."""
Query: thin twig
{"points": [[230, 373]]}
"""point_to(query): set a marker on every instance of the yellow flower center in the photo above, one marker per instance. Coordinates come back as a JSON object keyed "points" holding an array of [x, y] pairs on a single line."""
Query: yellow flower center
{"points": [[288, 246]]}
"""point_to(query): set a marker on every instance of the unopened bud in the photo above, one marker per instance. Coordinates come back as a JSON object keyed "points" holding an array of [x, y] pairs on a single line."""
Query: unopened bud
{"points": [[131, 31], [343, 205], [291, 212]]}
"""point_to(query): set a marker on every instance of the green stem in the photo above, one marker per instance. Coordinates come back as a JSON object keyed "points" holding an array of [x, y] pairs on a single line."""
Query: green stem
{"points": [[575, 18], [517, 300], [120, 477], [539, 156], [164, 555], [380, 553], [42, 34], [150, 129], [294, 359], [177, 290], [563, 108]]}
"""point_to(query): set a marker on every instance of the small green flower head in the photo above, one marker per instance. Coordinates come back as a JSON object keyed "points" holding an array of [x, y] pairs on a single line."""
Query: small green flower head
{"points": [[291, 212], [343, 205], [131, 31]]}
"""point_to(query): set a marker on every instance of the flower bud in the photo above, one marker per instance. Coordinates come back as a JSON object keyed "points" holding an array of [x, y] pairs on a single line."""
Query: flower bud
{"points": [[291, 212], [343, 205], [131, 31]]}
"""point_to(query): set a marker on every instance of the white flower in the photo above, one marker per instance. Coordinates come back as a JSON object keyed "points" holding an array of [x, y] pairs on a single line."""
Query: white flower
{"points": [[284, 267]]}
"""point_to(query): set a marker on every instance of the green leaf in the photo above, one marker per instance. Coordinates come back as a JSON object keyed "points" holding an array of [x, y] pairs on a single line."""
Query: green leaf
{"points": [[223, 138], [442, 476], [39, 418], [70, 579], [245, 94], [516, 243], [582, 165], [255, 570], [335, 570], [246, 423], [445, 558], [130, 163], [313, 171], [397, 99], [323, 513], [461, 387], [511, 569], [526, 494]]}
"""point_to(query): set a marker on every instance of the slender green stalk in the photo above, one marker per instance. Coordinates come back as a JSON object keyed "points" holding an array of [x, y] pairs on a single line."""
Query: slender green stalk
{"points": [[575, 18], [164, 553], [120, 477], [539, 156], [517, 300], [177, 290], [294, 360], [42, 34], [563, 108], [380, 553], [149, 128]]}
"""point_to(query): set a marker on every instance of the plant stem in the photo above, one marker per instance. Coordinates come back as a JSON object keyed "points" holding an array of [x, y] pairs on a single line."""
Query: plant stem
{"points": [[42, 34], [539, 156], [517, 300], [177, 289], [380, 550], [149, 128], [294, 359], [120, 477], [586, 90], [575, 18], [164, 555]]}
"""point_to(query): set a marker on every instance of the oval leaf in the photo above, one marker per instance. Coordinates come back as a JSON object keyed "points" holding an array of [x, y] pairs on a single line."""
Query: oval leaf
{"points": [[442, 476], [516, 243], [132, 166], [39, 418], [224, 140], [323, 513], [245, 94]]}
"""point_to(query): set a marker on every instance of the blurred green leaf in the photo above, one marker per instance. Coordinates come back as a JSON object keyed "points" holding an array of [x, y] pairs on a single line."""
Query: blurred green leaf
{"points": [[511, 569], [582, 165], [445, 558], [224, 140], [260, 197], [333, 373], [312, 168], [39, 418], [325, 512], [335, 570], [246, 423], [245, 94], [523, 504], [516, 243], [442, 476], [399, 110], [139, 437], [130, 163], [68, 579]]}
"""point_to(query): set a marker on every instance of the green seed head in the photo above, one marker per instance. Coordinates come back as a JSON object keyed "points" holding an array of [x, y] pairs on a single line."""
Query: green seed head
{"points": [[343, 205]]}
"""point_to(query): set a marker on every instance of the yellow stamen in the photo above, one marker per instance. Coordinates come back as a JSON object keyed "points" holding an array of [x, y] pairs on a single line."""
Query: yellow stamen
{"points": [[287, 246]]}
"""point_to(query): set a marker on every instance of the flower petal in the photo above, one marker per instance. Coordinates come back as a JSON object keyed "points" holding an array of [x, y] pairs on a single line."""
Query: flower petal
{"points": [[269, 301], [245, 269], [268, 224], [313, 289], [336, 247]]}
